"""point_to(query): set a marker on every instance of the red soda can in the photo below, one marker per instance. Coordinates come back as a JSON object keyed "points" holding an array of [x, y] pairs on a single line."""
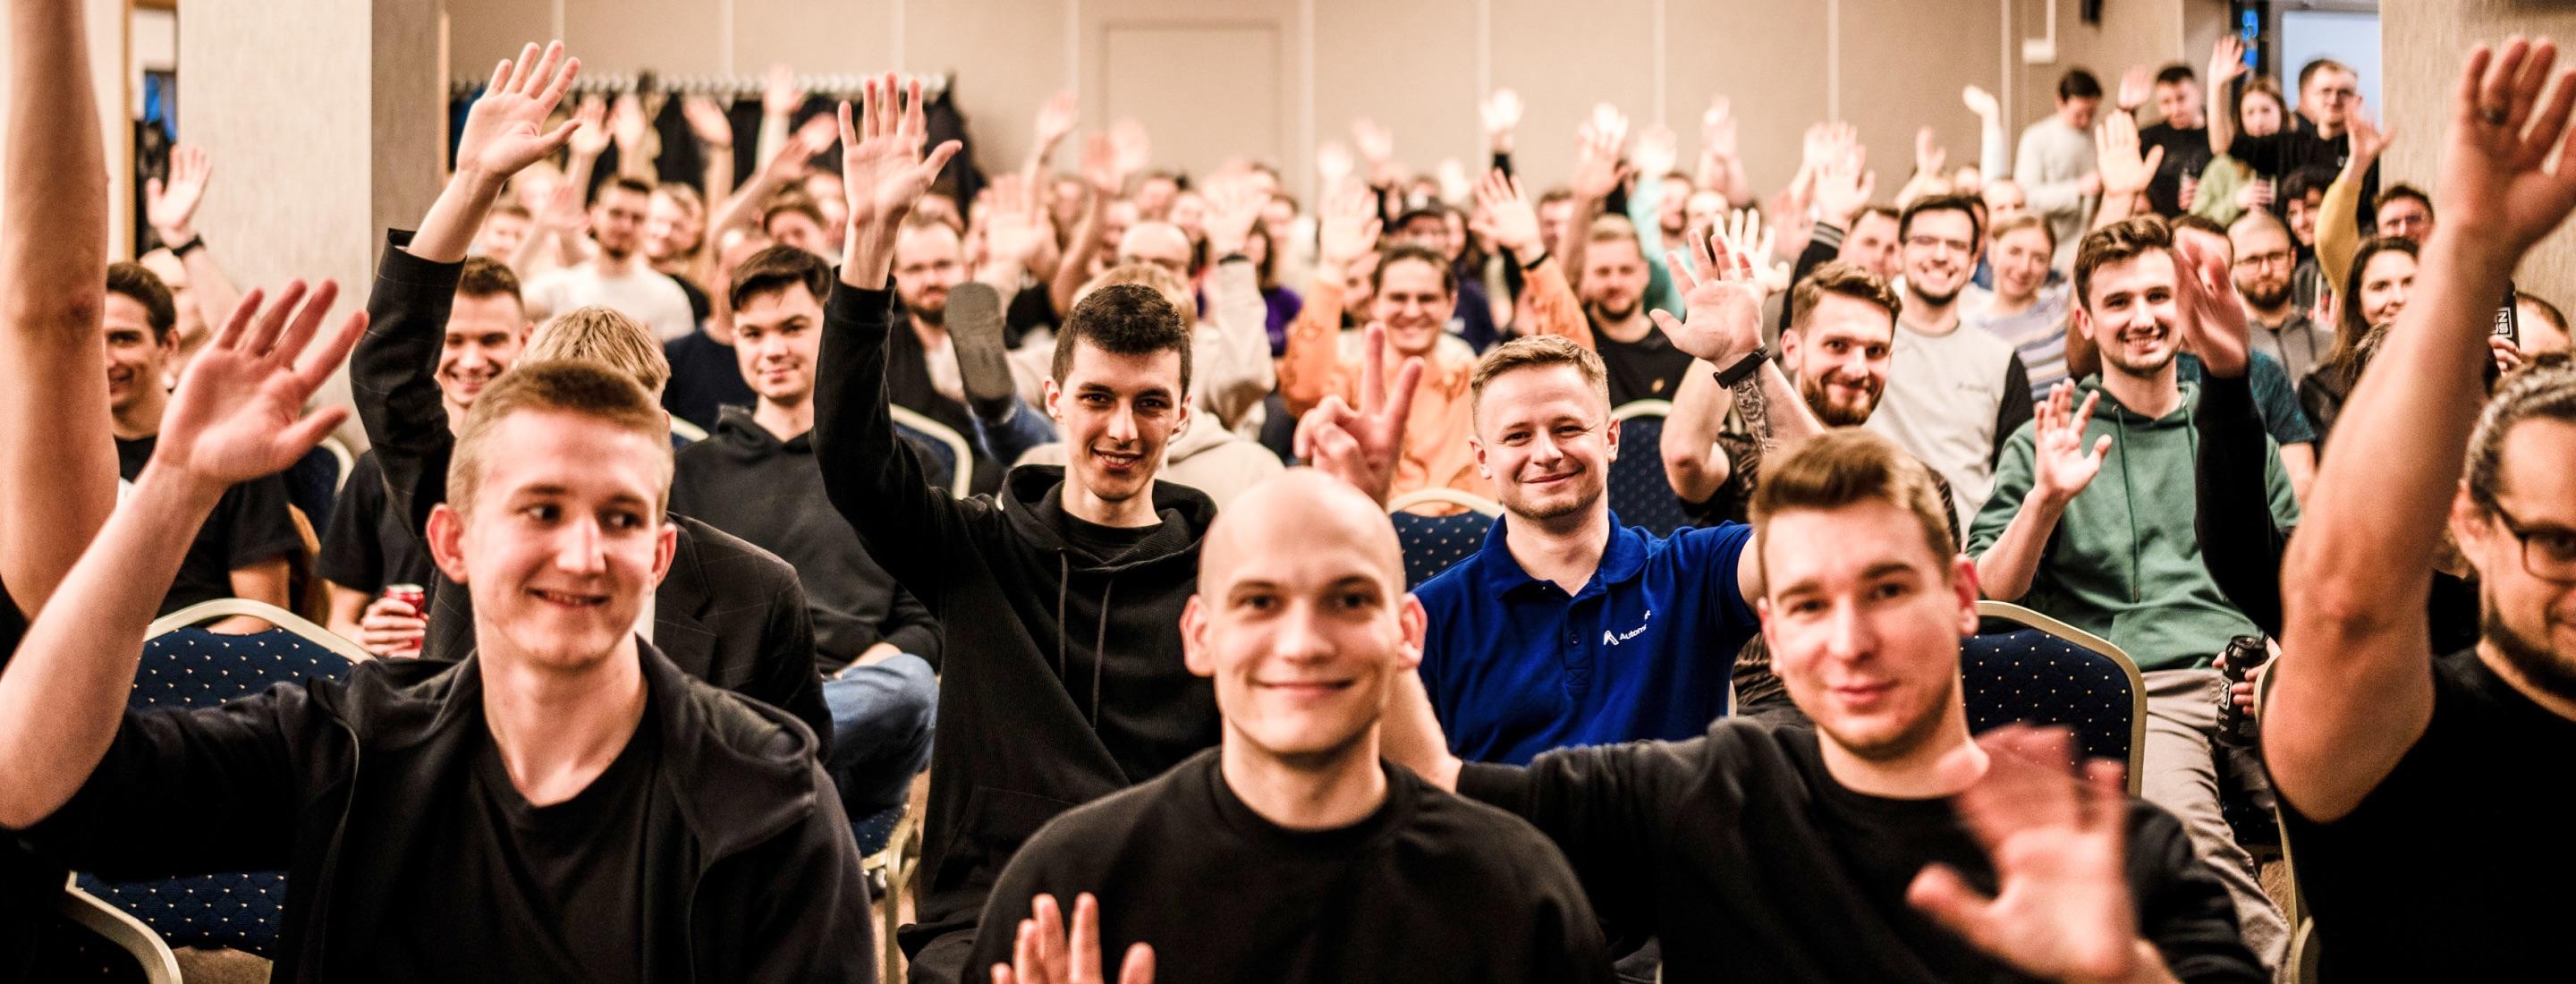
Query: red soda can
{"points": [[411, 595]]}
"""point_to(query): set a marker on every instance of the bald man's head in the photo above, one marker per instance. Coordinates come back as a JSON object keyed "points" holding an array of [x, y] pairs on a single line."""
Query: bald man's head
{"points": [[1159, 243], [1301, 617]]}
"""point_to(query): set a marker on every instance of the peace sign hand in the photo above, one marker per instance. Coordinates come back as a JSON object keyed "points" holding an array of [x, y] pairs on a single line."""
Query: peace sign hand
{"points": [[1363, 446]]}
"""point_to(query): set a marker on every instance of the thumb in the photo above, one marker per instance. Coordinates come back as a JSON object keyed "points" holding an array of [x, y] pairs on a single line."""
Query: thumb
{"points": [[2155, 157], [559, 136], [1939, 892], [2101, 446]]}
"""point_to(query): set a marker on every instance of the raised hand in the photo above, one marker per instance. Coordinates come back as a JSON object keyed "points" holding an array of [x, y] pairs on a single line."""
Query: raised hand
{"points": [[1346, 227], [794, 160], [1055, 121], [2226, 60], [2058, 844], [779, 93], [2496, 187], [2364, 137], [1376, 143], [506, 131], [2060, 465], [1717, 136], [1981, 102], [171, 206], [2137, 85], [2115, 149], [1930, 158], [1721, 304], [1363, 446], [1657, 149], [1015, 226], [1502, 115], [1754, 242], [1843, 186], [2213, 325], [708, 122], [238, 413], [626, 122], [883, 169], [593, 138], [1504, 215], [1233, 208], [1599, 144], [1044, 953], [2254, 194], [1135, 148], [1332, 164]]}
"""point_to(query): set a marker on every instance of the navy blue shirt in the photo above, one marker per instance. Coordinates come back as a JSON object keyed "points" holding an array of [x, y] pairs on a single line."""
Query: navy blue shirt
{"points": [[1644, 651]]}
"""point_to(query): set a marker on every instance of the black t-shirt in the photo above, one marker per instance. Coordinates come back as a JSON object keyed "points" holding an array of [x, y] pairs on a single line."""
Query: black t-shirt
{"points": [[250, 525], [2186, 155], [2488, 778], [537, 892], [1030, 309], [367, 546], [1751, 863], [1429, 888], [1104, 543], [2297, 145], [705, 379], [1649, 368]]}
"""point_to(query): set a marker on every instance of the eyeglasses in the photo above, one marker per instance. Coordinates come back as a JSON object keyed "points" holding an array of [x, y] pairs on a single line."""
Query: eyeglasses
{"points": [[2264, 260], [2548, 552], [1936, 242]]}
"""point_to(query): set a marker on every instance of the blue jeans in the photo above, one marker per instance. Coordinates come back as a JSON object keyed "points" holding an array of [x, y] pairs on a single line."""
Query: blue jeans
{"points": [[882, 718], [1023, 429]]}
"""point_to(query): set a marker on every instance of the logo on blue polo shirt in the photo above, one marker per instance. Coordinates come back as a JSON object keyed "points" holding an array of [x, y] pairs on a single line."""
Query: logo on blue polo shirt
{"points": [[1610, 638]]}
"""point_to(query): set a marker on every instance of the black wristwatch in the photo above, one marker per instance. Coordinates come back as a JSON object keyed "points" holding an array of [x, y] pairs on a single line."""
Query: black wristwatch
{"points": [[194, 242], [1743, 367], [1530, 266]]}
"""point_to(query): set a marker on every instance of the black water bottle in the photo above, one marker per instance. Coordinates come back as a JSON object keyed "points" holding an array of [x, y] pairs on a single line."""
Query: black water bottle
{"points": [[2236, 726]]}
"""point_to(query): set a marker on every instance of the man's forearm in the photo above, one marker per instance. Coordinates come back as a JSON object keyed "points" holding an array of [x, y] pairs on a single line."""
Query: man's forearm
{"points": [[216, 296], [449, 228], [1785, 414], [1693, 465], [2339, 222], [63, 695], [1075, 267], [2006, 569]]}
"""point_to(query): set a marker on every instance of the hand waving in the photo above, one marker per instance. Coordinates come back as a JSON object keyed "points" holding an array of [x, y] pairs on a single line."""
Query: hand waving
{"points": [[1504, 215], [882, 167], [2115, 147], [2212, 323], [708, 122], [1363, 446], [238, 413], [1980, 102], [1717, 130], [171, 206], [1347, 227], [505, 131], [2058, 846], [2060, 467], [1721, 304], [593, 138], [2226, 60], [1044, 953], [2495, 183], [2364, 137], [1233, 208], [1502, 114], [1055, 120]]}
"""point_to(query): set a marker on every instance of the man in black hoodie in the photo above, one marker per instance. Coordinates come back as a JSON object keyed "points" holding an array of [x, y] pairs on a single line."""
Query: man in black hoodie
{"points": [[755, 477], [562, 805], [729, 613], [1062, 598]]}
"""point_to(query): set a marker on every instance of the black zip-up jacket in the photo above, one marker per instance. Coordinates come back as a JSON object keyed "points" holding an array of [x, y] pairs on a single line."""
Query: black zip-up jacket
{"points": [[747, 482], [729, 613], [330, 783], [1063, 681]]}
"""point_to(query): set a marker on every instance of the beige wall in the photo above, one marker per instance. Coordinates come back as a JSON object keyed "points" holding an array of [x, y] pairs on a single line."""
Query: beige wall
{"points": [[2423, 46]]}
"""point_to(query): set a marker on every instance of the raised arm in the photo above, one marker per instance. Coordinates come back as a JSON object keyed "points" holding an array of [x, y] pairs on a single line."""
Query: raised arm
{"points": [[1994, 149], [782, 169], [1721, 158], [2239, 543], [237, 415], [2339, 231], [1548, 302], [870, 474], [171, 207], [57, 458], [714, 132], [634, 136], [2125, 172], [2035, 481], [1104, 167], [1240, 375], [2226, 64], [2354, 689], [1311, 368]]}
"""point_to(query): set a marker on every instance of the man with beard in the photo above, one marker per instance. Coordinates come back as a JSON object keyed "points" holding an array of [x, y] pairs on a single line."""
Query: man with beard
{"points": [[1963, 392], [1569, 628], [2119, 557], [2265, 257], [1643, 364], [921, 363], [2371, 738], [616, 276]]}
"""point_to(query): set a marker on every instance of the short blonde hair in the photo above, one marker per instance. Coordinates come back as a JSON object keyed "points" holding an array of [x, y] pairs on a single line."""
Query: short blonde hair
{"points": [[602, 337], [1847, 466], [1537, 352], [573, 386], [1164, 282]]}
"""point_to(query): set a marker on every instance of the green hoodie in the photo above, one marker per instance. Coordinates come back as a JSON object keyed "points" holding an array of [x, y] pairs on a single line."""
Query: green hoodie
{"points": [[2124, 562]]}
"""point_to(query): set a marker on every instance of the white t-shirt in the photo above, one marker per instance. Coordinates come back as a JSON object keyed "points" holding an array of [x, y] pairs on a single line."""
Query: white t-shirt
{"points": [[1944, 394], [647, 295]]}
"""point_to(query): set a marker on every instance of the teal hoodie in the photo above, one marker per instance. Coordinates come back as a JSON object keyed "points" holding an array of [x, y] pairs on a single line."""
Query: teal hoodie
{"points": [[2124, 562]]}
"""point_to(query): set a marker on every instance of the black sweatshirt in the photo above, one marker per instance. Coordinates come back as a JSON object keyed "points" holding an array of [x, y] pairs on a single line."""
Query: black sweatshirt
{"points": [[749, 483], [1751, 863], [1063, 681], [1428, 888], [728, 613], [2238, 541]]}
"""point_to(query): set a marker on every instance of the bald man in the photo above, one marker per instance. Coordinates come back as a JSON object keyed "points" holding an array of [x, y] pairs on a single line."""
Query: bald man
{"points": [[1291, 851], [1159, 243]]}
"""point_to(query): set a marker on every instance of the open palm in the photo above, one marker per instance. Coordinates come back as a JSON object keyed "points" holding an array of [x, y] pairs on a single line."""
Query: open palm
{"points": [[238, 413], [882, 167], [2060, 464], [2495, 176], [2062, 909], [506, 130], [171, 206], [1721, 304]]}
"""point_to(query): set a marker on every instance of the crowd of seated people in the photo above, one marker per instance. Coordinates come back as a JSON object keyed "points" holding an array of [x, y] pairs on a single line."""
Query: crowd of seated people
{"points": [[701, 521]]}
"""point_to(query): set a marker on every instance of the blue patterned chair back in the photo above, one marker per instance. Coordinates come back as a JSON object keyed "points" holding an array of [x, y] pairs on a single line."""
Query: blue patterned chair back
{"points": [[2032, 676], [876, 830], [938, 460], [313, 485], [1433, 543], [190, 668], [1639, 492]]}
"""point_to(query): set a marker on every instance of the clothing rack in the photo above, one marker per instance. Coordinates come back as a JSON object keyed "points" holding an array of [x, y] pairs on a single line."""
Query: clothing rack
{"points": [[739, 86]]}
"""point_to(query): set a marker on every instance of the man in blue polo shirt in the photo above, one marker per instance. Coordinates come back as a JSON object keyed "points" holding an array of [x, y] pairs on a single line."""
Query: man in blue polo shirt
{"points": [[1569, 628]]}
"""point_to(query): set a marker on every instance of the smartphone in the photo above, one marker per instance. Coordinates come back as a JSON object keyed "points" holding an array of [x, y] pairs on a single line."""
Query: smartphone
{"points": [[2508, 322]]}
